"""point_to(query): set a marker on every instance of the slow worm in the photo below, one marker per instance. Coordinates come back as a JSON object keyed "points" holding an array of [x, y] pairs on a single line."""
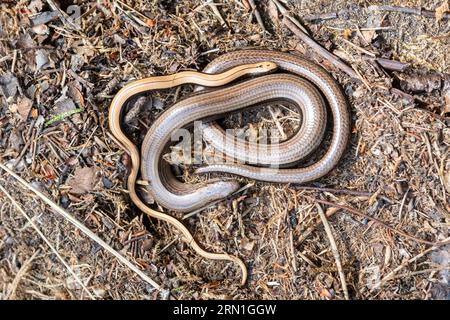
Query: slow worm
{"points": [[302, 83], [164, 82]]}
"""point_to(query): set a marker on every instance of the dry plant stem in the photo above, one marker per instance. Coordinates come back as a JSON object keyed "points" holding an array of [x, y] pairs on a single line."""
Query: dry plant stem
{"points": [[22, 271], [324, 53], [62, 15], [302, 34], [216, 11], [257, 15], [82, 227], [343, 191], [359, 213], [334, 249], [287, 15], [320, 16], [35, 227], [305, 234], [332, 190], [392, 64], [416, 11], [391, 274]]}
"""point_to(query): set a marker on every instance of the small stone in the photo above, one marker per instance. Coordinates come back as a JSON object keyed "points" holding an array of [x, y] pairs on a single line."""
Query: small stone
{"points": [[107, 183]]}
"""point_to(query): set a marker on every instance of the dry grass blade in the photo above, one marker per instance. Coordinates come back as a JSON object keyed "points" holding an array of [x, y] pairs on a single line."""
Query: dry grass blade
{"points": [[334, 249], [83, 228], [391, 275], [23, 270], [359, 213], [35, 227]]}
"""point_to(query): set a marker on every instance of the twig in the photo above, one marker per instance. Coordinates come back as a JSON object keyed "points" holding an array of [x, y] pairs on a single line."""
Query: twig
{"points": [[19, 208], [288, 21], [320, 16], [391, 274], [22, 271], [392, 64], [305, 234], [62, 15], [287, 15], [257, 14], [216, 11], [409, 274], [343, 191], [334, 249], [415, 11], [402, 205], [25, 149], [361, 214], [83, 228], [371, 54]]}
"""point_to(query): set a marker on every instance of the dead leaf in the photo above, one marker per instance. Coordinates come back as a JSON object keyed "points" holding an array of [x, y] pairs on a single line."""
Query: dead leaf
{"points": [[83, 180], [42, 60], [442, 10], [41, 29], [8, 85], [23, 107], [247, 244], [368, 35], [325, 293], [35, 6], [34, 113]]}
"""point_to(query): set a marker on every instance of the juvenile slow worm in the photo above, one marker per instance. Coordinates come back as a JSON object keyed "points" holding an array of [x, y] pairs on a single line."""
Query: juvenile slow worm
{"points": [[298, 85], [164, 82]]}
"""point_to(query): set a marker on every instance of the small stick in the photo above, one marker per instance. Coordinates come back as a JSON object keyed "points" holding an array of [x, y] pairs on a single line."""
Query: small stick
{"points": [[409, 274], [24, 150], [334, 249], [62, 15], [392, 64], [402, 205], [305, 234], [320, 16], [216, 11], [343, 191], [359, 48], [359, 213], [415, 11], [324, 53], [83, 228], [20, 209], [391, 274], [256, 14], [22, 271], [361, 29]]}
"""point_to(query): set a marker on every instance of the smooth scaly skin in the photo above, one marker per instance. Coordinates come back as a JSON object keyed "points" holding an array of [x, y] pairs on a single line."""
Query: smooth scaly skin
{"points": [[173, 194], [164, 82], [168, 191], [289, 151], [294, 64]]}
